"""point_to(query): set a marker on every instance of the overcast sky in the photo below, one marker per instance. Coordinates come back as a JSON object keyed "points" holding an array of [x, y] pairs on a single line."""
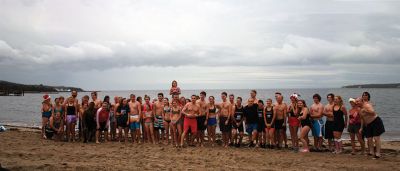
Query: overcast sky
{"points": [[207, 44]]}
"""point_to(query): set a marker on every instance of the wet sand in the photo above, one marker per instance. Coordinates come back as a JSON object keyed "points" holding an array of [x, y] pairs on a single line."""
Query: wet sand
{"points": [[22, 149]]}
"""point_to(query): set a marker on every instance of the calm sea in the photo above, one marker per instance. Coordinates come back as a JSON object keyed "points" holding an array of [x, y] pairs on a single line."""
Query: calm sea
{"points": [[25, 110]]}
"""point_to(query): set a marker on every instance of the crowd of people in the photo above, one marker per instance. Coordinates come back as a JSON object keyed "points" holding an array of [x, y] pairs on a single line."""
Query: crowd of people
{"points": [[183, 121]]}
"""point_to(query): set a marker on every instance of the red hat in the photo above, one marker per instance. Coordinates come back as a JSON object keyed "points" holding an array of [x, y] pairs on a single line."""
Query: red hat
{"points": [[46, 97]]}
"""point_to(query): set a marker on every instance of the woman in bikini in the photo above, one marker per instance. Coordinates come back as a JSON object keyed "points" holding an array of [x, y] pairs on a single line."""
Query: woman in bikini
{"points": [[176, 124], [148, 117], [167, 119], [211, 119]]}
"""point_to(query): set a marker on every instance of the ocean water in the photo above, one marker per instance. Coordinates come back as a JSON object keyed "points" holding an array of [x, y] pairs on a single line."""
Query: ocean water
{"points": [[25, 110]]}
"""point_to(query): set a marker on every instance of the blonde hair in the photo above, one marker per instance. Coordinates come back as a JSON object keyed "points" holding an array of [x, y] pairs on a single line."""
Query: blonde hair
{"points": [[340, 100]]}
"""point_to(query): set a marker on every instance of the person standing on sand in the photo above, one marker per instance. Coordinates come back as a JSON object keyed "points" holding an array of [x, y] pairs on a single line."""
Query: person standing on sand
{"points": [[190, 111], [143, 131], [316, 111], [224, 111], [158, 110], [261, 137], [238, 118], [167, 119], [269, 119], [251, 120], [71, 110], [280, 109], [113, 120], [46, 113], [355, 126], [211, 120], [122, 119], [372, 126], [134, 118], [231, 120], [339, 111], [201, 119], [294, 122], [82, 107], [148, 116], [113, 123], [305, 121], [328, 112], [89, 123], [176, 123], [102, 122]]}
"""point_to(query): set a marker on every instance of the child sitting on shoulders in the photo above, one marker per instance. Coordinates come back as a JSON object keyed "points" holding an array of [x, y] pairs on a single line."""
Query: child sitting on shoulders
{"points": [[175, 90]]}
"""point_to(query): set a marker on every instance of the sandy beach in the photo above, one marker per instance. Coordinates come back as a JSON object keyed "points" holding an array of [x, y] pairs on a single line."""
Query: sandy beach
{"points": [[22, 149]]}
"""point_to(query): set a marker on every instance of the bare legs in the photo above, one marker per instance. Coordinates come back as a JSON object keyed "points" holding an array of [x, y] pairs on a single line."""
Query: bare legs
{"points": [[293, 135], [211, 134], [304, 138], [270, 136], [338, 141], [44, 123], [149, 132], [167, 129]]}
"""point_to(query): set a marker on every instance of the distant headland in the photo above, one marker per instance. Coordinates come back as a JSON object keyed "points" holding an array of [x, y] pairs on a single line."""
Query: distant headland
{"points": [[14, 87], [390, 85]]}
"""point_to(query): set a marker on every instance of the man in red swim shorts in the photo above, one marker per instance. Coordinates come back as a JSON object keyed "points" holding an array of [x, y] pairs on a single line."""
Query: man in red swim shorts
{"points": [[190, 111]]}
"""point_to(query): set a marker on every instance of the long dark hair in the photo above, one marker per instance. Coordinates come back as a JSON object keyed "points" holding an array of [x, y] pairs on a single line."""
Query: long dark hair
{"points": [[91, 106]]}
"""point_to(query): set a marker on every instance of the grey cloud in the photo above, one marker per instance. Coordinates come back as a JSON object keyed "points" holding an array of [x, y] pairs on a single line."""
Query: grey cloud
{"points": [[43, 39], [296, 50]]}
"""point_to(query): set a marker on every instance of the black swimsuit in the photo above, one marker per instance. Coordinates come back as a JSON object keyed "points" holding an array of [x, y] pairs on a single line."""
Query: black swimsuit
{"points": [[213, 110], [168, 110], [70, 110], [338, 120], [269, 114], [306, 121], [238, 115], [260, 123]]}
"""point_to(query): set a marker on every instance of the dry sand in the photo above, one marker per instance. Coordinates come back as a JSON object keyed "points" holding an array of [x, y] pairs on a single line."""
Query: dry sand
{"points": [[22, 149]]}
